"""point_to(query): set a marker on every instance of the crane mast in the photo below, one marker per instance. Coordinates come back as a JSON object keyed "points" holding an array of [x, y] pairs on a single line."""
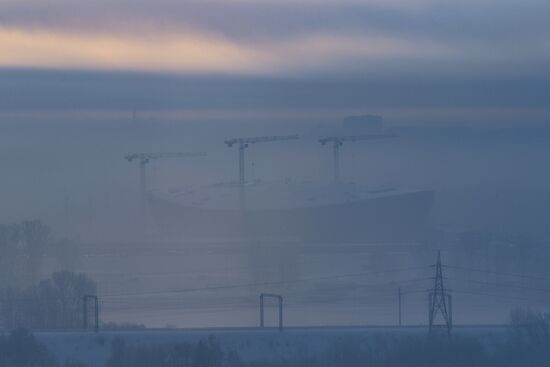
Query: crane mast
{"points": [[144, 159], [243, 143], [338, 141]]}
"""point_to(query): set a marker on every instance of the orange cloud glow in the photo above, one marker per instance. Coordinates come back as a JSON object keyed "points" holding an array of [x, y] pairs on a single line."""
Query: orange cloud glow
{"points": [[193, 52]]}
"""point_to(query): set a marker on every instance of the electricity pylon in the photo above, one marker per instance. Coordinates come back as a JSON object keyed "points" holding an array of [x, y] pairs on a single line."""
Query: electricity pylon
{"points": [[439, 302]]}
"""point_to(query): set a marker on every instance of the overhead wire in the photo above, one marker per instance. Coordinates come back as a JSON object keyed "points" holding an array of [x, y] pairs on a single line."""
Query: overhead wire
{"points": [[246, 285], [526, 276]]}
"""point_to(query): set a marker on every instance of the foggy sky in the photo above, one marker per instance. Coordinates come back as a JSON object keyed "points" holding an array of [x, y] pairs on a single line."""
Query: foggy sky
{"points": [[467, 61], [279, 37]]}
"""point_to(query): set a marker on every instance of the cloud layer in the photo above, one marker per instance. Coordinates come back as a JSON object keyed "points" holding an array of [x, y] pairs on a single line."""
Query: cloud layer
{"points": [[278, 37], [425, 60]]}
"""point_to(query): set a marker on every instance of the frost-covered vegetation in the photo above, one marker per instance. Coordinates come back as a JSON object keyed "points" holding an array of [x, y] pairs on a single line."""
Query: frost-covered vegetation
{"points": [[27, 301], [111, 325], [205, 353], [525, 343], [20, 349]]}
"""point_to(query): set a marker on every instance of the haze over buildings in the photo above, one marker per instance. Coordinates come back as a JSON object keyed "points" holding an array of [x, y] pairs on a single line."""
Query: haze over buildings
{"points": [[463, 85]]}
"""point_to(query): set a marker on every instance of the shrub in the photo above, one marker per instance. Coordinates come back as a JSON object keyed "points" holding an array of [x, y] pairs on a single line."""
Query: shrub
{"points": [[21, 349], [206, 353]]}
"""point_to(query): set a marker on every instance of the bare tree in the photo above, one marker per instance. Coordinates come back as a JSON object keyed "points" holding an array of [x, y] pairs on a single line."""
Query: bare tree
{"points": [[54, 303]]}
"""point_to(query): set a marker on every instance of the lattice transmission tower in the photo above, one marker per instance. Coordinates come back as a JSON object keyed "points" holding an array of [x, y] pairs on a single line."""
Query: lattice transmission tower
{"points": [[440, 303]]}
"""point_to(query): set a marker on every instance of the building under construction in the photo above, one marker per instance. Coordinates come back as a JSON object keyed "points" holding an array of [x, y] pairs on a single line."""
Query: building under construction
{"points": [[299, 210]]}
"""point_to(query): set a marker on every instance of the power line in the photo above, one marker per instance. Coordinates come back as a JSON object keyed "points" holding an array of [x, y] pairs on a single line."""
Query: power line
{"points": [[503, 285], [246, 285], [499, 273], [499, 296]]}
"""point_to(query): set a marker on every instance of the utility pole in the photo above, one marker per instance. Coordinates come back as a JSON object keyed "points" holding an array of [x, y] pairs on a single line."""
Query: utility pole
{"points": [[85, 301], [279, 299], [399, 295], [439, 302]]}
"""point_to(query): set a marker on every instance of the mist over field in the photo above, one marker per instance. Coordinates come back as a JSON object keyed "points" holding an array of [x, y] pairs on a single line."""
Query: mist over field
{"points": [[274, 183], [74, 176], [487, 181]]}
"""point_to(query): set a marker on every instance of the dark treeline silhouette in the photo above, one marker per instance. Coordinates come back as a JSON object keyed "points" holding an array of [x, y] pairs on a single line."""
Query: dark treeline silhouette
{"points": [[54, 303], [23, 247]]}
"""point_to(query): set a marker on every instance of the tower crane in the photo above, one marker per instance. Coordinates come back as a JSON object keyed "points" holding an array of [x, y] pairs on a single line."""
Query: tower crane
{"points": [[243, 143], [338, 141], [144, 159]]}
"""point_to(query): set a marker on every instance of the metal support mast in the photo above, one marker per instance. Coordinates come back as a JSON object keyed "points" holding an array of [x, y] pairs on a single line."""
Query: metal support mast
{"points": [[279, 299], [439, 302], [336, 152], [399, 299], [85, 301], [338, 141], [142, 186], [242, 147]]}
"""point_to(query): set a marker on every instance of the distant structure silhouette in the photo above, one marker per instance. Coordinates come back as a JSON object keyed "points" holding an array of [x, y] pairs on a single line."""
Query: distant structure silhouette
{"points": [[85, 304], [244, 143], [279, 299]]}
